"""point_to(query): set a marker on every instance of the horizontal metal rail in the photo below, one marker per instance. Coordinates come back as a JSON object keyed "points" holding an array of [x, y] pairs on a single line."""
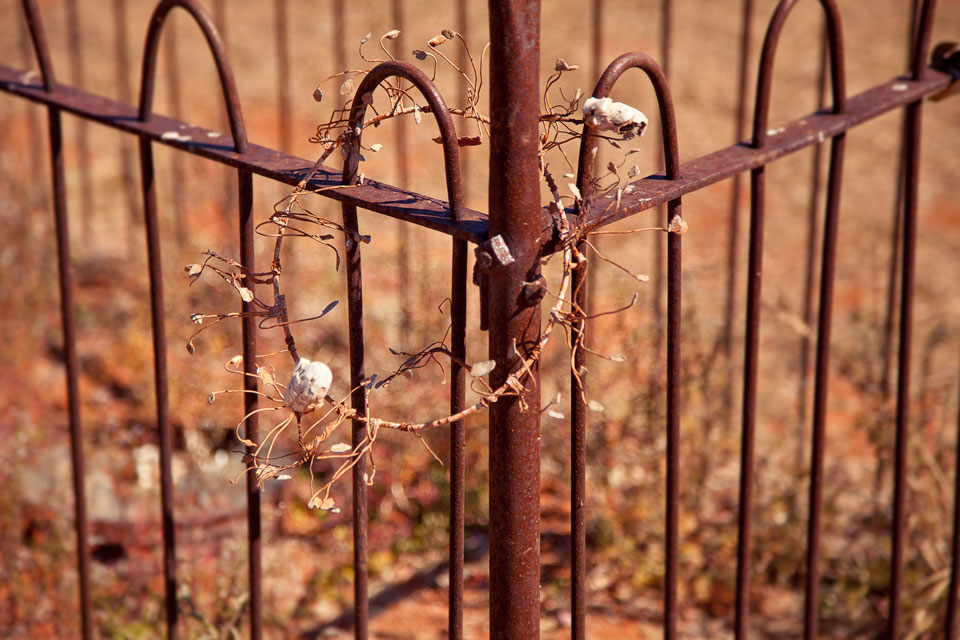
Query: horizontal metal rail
{"points": [[433, 213], [801, 133], [372, 195]]}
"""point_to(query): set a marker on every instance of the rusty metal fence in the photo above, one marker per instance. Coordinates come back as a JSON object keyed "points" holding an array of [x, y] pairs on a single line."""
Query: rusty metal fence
{"points": [[509, 310]]}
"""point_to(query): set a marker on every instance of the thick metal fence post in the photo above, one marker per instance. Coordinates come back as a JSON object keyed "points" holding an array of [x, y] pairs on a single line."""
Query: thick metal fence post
{"points": [[514, 201]]}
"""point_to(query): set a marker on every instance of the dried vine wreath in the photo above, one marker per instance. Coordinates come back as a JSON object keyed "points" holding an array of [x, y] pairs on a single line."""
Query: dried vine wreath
{"points": [[305, 400]]}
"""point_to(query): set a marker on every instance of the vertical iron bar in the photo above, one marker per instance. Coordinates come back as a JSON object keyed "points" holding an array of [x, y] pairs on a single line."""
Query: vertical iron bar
{"points": [[358, 399], [810, 271], [750, 362], [457, 432], [911, 183], [155, 262], [73, 368], [457, 437], [81, 137], [897, 233], [827, 270], [674, 334], [584, 280], [953, 593], [585, 184], [514, 204], [674, 285], [67, 319], [250, 402], [578, 449], [751, 351], [246, 229], [746, 37]]}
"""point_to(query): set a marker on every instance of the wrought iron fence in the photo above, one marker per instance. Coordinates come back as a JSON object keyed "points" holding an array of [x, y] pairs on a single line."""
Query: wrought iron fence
{"points": [[510, 310]]}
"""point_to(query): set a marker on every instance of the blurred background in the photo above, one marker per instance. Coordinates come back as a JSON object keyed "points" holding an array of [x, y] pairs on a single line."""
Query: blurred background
{"points": [[97, 46]]}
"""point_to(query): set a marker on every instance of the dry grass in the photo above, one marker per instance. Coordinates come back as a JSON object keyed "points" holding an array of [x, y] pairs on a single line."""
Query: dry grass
{"points": [[625, 441]]}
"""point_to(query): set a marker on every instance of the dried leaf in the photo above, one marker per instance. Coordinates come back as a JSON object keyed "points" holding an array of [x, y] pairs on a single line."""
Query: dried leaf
{"points": [[245, 294], [575, 191], [593, 405], [347, 87], [678, 226], [556, 415], [437, 40], [324, 504], [376, 147], [480, 369], [193, 270], [393, 34], [327, 309], [247, 443], [317, 94], [235, 361], [448, 34], [212, 398], [364, 39], [633, 172], [197, 318], [341, 447], [618, 358], [419, 54], [416, 114], [190, 348]]}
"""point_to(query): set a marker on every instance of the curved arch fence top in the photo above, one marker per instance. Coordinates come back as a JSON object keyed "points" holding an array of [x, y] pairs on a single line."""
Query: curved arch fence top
{"points": [[668, 119], [448, 132], [765, 76], [227, 83]]}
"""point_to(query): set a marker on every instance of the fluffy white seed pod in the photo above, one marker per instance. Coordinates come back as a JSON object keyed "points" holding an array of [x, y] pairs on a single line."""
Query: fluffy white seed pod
{"points": [[308, 386], [603, 114]]}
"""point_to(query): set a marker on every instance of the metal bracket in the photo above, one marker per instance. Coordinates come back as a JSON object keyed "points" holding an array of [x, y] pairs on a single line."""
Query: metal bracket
{"points": [[493, 252]]}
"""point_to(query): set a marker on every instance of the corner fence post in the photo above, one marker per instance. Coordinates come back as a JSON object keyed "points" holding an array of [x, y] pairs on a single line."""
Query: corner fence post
{"points": [[514, 201]]}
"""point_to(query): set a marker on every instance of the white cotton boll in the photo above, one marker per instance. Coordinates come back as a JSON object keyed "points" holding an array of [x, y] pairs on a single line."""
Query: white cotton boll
{"points": [[308, 386], [603, 114]]}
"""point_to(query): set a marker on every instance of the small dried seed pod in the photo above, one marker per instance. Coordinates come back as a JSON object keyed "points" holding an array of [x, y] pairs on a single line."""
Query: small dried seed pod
{"points": [[604, 114], [308, 386]]}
